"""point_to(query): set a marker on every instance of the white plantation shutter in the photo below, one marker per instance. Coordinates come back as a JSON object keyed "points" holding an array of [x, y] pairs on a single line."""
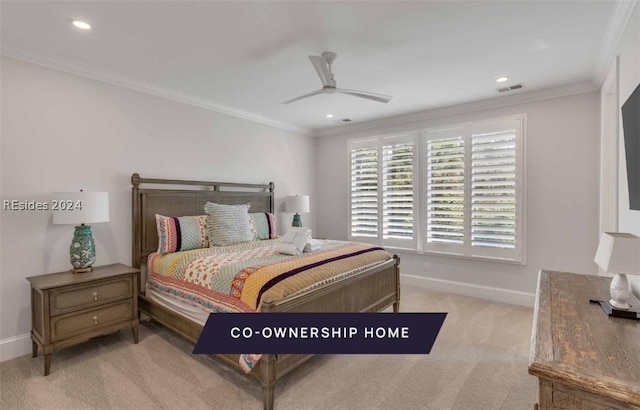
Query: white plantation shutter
{"points": [[382, 191], [473, 191], [397, 192], [445, 189], [462, 196], [493, 190], [364, 192]]}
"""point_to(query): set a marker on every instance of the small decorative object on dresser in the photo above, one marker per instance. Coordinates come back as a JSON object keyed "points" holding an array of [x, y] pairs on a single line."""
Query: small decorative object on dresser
{"points": [[68, 309], [80, 208], [582, 358], [298, 204], [619, 253]]}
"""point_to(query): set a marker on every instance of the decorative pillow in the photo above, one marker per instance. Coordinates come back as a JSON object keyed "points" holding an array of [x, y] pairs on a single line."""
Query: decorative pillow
{"points": [[228, 224], [264, 225], [181, 233]]}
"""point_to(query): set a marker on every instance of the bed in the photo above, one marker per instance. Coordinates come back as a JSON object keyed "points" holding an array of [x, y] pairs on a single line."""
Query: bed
{"points": [[372, 289]]}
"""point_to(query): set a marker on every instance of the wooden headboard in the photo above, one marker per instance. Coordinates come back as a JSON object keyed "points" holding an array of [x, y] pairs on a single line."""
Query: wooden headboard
{"points": [[173, 197]]}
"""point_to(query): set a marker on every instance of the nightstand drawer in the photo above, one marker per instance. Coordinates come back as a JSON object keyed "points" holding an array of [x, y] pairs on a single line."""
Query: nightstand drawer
{"points": [[87, 320], [75, 297]]}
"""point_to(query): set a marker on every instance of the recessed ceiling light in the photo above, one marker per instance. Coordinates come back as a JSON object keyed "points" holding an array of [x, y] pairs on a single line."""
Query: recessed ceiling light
{"points": [[502, 79], [81, 24], [329, 116]]}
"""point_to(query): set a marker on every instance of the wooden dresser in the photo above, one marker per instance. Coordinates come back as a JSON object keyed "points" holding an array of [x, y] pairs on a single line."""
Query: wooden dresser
{"points": [[68, 308], [583, 358]]}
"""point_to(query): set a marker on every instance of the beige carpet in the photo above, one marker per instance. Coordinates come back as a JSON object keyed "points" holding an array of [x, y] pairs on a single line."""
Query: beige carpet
{"points": [[479, 361]]}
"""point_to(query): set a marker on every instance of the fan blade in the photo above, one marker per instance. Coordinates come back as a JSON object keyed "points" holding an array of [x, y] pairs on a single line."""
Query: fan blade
{"points": [[363, 94], [320, 91], [321, 68]]}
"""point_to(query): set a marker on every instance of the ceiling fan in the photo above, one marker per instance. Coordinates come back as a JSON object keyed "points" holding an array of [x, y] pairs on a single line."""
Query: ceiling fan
{"points": [[322, 64]]}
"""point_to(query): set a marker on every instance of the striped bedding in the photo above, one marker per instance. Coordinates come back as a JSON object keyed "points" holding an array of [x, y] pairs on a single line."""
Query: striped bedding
{"points": [[238, 278]]}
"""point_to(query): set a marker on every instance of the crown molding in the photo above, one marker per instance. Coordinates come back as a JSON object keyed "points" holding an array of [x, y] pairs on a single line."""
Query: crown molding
{"points": [[466, 108], [480, 105], [617, 25], [145, 87]]}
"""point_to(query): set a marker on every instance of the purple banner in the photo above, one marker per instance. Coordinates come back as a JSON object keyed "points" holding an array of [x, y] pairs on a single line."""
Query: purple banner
{"points": [[320, 333]]}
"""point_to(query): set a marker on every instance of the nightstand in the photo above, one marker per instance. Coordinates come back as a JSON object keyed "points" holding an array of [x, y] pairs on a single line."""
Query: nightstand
{"points": [[68, 308]]}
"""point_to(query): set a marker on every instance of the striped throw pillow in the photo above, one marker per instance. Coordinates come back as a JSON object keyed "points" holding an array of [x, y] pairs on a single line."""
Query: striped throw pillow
{"points": [[264, 225], [182, 233], [228, 224]]}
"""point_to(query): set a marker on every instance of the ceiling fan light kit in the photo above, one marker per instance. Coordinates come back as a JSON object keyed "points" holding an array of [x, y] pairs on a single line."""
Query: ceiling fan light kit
{"points": [[322, 64]]}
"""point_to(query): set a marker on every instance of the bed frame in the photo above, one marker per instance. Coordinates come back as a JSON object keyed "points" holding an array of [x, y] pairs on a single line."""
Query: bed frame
{"points": [[372, 290]]}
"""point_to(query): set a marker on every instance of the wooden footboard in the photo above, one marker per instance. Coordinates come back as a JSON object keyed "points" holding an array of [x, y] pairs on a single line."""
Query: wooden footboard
{"points": [[371, 290]]}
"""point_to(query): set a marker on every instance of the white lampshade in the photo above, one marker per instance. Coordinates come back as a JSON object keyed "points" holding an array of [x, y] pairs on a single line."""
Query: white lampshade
{"points": [[619, 253], [298, 203], [81, 207]]}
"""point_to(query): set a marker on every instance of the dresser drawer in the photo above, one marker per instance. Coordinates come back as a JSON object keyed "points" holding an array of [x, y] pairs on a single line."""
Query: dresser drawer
{"points": [[73, 298], [88, 320]]}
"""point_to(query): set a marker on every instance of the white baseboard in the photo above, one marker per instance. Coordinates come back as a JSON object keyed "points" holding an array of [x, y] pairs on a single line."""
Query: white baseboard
{"points": [[512, 297], [16, 346]]}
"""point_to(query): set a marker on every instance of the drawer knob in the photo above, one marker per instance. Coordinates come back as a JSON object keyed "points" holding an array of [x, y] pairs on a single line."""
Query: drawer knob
{"points": [[95, 320], [95, 295]]}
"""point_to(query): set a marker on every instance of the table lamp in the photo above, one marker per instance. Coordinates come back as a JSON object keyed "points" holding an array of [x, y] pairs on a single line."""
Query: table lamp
{"points": [[297, 204], [79, 208], [619, 253]]}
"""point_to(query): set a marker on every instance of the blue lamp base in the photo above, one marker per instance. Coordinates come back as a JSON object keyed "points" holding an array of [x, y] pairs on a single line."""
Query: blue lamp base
{"points": [[297, 221], [82, 252]]}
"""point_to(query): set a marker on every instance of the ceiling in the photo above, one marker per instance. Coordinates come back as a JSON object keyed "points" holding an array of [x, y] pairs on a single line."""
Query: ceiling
{"points": [[244, 58]]}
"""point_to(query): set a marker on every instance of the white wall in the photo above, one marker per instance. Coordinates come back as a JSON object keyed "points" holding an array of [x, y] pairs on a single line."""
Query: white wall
{"points": [[629, 78], [562, 199], [63, 132]]}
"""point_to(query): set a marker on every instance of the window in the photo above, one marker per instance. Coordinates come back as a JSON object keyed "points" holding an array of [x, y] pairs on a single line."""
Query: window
{"points": [[473, 194], [470, 200], [382, 191], [364, 192], [445, 197]]}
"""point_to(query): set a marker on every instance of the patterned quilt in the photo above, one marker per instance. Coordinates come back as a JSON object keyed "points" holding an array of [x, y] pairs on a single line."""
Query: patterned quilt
{"points": [[238, 278]]}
